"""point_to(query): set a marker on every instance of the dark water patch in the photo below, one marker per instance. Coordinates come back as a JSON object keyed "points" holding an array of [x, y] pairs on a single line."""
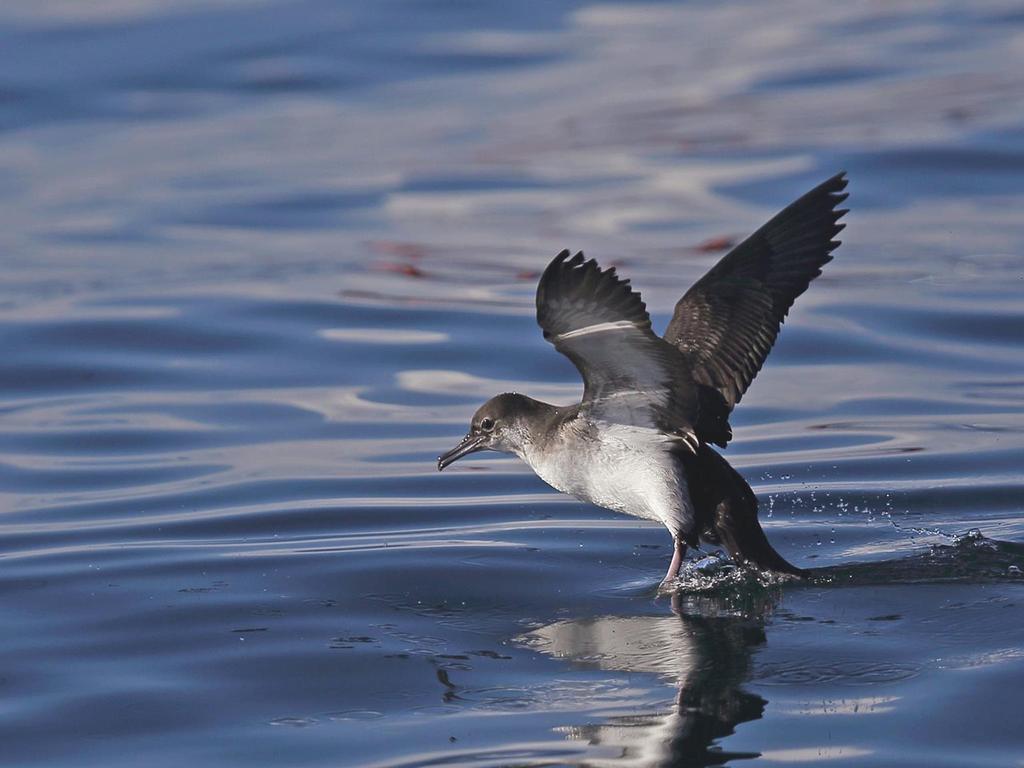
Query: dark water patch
{"points": [[951, 324], [821, 76], [298, 211], [970, 559], [73, 478], [857, 673], [136, 337], [502, 183], [29, 377]]}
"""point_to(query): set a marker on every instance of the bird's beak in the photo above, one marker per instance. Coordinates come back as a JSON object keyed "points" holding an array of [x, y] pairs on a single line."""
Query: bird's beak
{"points": [[469, 444]]}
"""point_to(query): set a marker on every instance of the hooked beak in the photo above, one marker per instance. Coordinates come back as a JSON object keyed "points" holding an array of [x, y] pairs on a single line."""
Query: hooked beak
{"points": [[469, 444]]}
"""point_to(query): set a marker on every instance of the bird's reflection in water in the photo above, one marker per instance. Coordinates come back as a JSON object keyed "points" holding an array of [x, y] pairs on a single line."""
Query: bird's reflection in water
{"points": [[705, 648]]}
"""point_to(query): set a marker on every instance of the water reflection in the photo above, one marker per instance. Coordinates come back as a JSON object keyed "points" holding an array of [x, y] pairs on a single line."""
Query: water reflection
{"points": [[704, 648]]}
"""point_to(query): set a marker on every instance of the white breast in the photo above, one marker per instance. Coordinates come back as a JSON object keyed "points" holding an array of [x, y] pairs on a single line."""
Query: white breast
{"points": [[628, 470]]}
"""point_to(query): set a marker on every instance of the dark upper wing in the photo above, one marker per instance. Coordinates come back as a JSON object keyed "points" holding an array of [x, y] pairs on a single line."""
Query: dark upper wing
{"points": [[630, 375], [728, 321]]}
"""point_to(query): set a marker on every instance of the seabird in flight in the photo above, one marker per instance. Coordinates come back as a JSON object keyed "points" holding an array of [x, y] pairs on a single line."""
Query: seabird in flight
{"points": [[640, 440]]}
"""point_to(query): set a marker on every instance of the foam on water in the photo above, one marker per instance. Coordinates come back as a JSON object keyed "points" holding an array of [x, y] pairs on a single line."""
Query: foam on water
{"points": [[716, 573]]}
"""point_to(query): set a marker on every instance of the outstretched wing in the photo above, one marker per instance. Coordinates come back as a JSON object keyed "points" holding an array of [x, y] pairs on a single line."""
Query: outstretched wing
{"points": [[728, 321], [630, 375]]}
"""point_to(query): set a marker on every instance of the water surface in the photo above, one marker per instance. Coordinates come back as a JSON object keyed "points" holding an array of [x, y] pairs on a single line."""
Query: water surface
{"points": [[262, 261]]}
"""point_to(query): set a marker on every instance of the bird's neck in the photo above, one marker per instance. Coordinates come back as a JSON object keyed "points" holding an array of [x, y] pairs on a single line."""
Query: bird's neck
{"points": [[539, 430]]}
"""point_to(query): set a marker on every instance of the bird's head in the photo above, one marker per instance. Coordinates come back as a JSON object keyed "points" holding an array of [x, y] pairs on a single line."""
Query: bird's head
{"points": [[500, 424]]}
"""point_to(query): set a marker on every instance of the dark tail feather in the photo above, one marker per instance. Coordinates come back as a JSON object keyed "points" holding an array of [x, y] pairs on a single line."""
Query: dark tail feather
{"points": [[745, 540], [727, 508]]}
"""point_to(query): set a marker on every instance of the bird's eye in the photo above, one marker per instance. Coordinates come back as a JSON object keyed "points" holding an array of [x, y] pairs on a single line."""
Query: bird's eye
{"points": [[486, 423]]}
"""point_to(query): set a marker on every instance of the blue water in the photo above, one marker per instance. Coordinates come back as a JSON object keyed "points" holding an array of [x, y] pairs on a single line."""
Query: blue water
{"points": [[261, 262]]}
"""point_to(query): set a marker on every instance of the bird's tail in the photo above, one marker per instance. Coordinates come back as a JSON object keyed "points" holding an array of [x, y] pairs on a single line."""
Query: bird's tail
{"points": [[732, 521]]}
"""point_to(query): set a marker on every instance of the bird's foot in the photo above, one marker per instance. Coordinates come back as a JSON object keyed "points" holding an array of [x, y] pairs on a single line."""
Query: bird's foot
{"points": [[675, 565]]}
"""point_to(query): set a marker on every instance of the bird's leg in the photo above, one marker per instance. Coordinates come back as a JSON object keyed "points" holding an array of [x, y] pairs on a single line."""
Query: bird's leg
{"points": [[677, 561]]}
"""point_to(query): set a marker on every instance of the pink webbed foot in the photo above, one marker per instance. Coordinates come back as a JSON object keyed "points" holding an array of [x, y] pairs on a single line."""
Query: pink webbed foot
{"points": [[677, 561]]}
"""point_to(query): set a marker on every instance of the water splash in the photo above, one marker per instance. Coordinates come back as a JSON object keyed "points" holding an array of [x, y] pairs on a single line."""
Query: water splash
{"points": [[969, 558], [716, 573]]}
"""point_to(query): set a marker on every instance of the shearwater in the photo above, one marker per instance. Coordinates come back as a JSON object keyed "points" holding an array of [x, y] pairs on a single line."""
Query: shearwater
{"points": [[640, 440]]}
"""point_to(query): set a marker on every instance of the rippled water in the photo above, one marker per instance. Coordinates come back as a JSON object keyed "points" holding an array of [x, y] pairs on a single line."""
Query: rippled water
{"points": [[262, 260]]}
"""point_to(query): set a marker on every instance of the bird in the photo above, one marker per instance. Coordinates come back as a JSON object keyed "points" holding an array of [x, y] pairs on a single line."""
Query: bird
{"points": [[640, 440]]}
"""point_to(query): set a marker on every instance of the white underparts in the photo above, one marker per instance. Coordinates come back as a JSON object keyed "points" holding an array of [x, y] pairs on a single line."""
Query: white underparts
{"points": [[618, 325], [627, 469]]}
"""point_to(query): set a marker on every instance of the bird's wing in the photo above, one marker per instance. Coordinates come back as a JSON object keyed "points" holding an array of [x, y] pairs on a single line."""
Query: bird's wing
{"points": [[728, 321], [630, 375]]}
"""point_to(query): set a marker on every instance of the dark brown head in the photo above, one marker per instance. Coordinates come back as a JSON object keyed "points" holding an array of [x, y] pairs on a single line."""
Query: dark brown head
{"points": [[500, 424]]}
